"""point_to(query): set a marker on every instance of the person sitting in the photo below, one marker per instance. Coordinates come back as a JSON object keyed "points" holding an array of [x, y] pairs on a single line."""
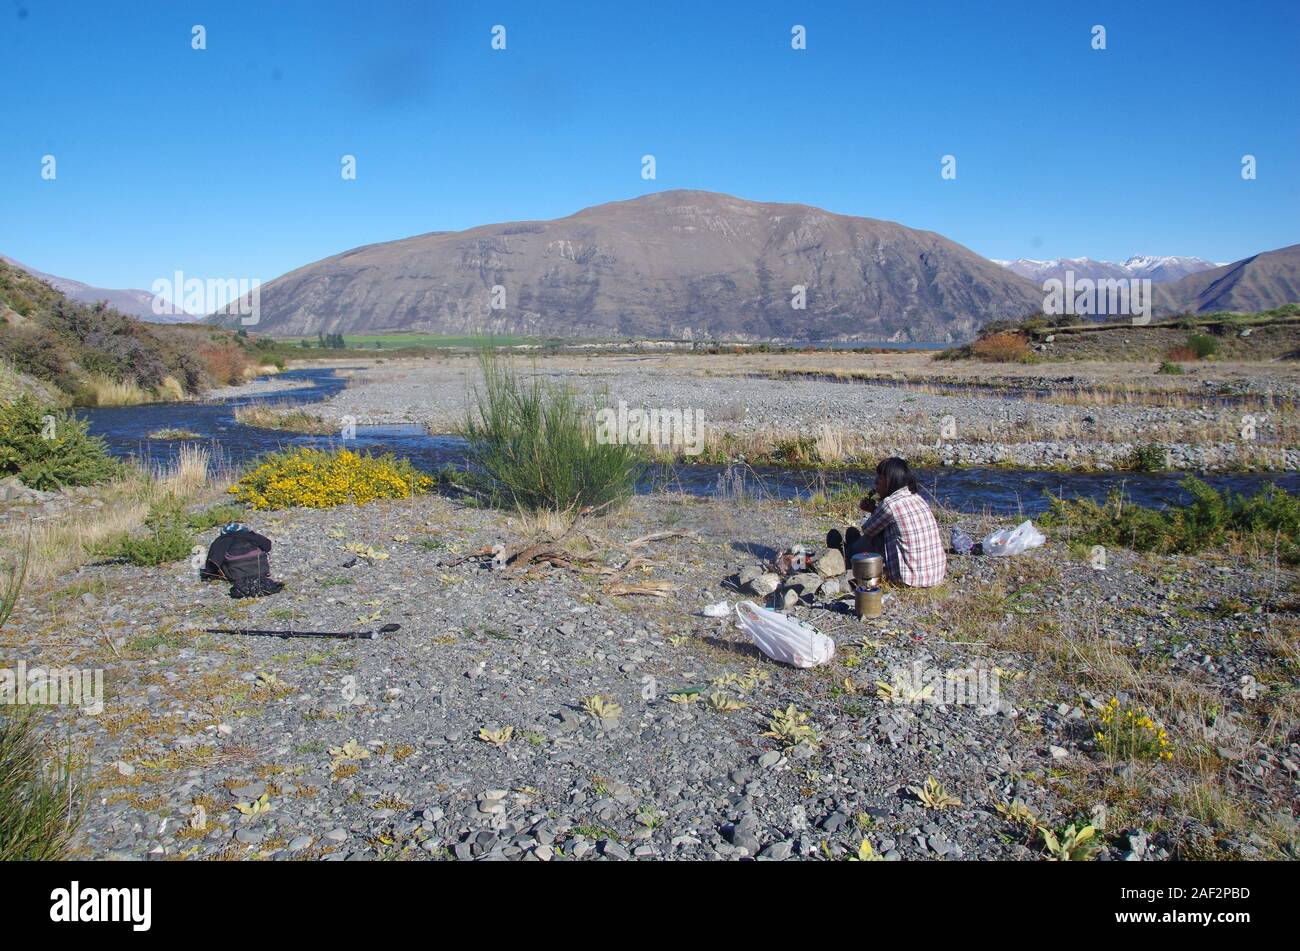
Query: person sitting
{"points": [[901, 527]]}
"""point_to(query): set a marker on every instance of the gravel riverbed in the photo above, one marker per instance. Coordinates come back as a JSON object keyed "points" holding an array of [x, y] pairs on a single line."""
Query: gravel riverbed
{"points": [[911, 420], [214, 745]]}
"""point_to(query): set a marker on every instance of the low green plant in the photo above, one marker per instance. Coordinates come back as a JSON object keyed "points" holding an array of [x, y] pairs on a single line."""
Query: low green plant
{"points": [[214, 516], [1203, 345], [166, 538], [1072, 845], [933, 795], [601, 708], [1169, 368], [791, 727], [49, 449], [1271, 516], [41, 798], [1147, 459]]}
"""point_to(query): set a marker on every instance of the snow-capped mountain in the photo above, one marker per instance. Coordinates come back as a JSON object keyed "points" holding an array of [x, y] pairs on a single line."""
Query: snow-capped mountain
{"points": [[1160, 268]]}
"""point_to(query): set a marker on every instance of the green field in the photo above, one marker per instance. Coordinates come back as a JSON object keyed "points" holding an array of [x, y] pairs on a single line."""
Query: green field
{"points": [[405, 341]]}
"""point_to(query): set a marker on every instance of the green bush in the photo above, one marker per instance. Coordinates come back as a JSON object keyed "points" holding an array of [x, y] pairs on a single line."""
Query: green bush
{"points": [[532, 446], [1170, 369], [1203, 345], [1210, 519], [1147, 459], [214, 516], [167, 537], [48, 449]]}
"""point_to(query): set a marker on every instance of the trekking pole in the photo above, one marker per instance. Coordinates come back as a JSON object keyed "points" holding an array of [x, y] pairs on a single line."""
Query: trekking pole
{"points": [[345, 635]]}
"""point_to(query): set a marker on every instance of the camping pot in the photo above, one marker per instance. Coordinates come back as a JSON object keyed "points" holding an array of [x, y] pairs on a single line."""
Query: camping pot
{"points": [[867, 602], [868, 569]]}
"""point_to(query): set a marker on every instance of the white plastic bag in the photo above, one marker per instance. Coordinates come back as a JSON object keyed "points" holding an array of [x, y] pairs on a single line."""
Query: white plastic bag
{"points": [[784, 638], [1013, 541]]}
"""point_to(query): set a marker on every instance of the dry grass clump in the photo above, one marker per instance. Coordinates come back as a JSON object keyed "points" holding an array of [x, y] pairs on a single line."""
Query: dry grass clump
{"points": [[284, 416], [75, 536], [1003, 347]]}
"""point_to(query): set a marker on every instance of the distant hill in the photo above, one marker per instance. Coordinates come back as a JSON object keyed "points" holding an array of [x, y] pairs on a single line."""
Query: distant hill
{"points": [[1158, 268], [1260, 282], [134, 303], [681, 264]]}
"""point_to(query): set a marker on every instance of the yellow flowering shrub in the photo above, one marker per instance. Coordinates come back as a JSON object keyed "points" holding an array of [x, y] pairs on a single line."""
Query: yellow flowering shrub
{"points": [[320, 479], [1130, 733]]}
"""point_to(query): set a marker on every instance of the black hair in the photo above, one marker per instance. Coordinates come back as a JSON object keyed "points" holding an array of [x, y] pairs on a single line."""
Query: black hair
{"points": [[897, 474]]}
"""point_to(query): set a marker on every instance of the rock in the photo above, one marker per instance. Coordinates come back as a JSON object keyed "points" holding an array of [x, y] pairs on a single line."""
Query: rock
{"points": [[769, 759], [611, 849], [777, 851], [833, 588], [743, 834], [299, 843], [831, 564], [806, 583], [765, 584]]}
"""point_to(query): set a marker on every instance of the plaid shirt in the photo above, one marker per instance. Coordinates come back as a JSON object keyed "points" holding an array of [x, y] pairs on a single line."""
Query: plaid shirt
{"points": [[914, 552]]}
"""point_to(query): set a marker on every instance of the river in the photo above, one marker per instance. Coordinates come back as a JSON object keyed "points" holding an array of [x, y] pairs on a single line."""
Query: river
{"points": [[126, 430]]}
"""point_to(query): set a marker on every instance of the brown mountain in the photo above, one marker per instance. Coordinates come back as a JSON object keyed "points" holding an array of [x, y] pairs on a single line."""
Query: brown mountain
{"points": [[1260, 282], [686, 264]]}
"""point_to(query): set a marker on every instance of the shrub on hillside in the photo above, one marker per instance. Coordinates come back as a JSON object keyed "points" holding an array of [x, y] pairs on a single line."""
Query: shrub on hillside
{"points": [[315, 478], [48, 449], [1002, 347], [67, 343], [532, 446]]}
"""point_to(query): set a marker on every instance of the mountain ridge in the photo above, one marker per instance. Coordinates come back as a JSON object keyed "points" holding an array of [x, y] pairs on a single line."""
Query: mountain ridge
{"points": [[684, 263]]}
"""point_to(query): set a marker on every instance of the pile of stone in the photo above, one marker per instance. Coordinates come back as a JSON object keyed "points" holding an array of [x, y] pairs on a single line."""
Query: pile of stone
{"points": [[828, 579]]}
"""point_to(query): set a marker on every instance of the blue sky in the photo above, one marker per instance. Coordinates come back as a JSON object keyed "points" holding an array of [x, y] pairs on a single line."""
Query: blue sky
{"points": [[226, 162]]}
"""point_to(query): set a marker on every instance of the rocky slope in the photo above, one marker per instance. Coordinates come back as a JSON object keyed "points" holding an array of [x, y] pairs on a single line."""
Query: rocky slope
{"points": [[1261, 282]]}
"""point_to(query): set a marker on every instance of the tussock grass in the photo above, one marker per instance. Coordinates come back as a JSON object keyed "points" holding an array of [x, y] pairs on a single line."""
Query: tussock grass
{"points": [[532, 445], [100, 390], [80, 535], [41, 800], [284, 416]]}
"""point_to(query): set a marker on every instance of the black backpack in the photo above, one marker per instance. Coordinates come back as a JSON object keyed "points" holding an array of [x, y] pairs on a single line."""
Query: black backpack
{"points": [[241, 557]]}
